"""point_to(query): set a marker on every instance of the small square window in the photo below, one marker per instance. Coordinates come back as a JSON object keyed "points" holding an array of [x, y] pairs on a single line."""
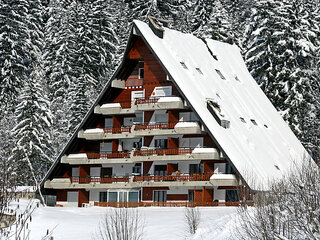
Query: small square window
{"points": [[183, 65], [254, 122], [141, 73], [199, 71], [220, 74], [242, 120]]}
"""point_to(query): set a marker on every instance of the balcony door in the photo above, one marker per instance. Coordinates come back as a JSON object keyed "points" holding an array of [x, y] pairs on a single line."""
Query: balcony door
{"points": [[106, 147], [159, 196], [160, 170], [106, 172], [72, 198]]}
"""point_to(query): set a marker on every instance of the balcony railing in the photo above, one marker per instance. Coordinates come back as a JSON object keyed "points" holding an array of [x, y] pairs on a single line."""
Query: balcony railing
{"points": [[184, 178], [151, 126], [99, 179], [108, 155], [118, 130], [146, 100], [169, 151]]}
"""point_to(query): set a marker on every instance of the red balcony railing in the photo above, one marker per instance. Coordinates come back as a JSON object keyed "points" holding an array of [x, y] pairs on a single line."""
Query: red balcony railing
{"points": [[147, 126], [184, 178], [162, 204], [108, 155], [147, 100], [99, 179], [117, 130], [169, 151]]}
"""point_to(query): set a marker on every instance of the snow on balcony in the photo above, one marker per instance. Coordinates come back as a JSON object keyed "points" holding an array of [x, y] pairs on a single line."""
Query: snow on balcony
{"points": [[205, 150], [96, 133], [186, 125], [224, 180], [169, 99]]}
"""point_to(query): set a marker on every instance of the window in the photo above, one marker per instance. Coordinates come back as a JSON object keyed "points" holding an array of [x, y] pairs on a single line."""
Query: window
{"points": [[137, 145], [183, 65], [133, 197], [232, 196], [266, 126], [113, 197], [196, 168], [199, 71], [136, 170], [242, 120], [160, 170], [191, 196], [159, 196], [141, 73], [254, 122], [220, 74], [103, 196], [106, 172], [123, 196], [75, 172], [161, 143], [237, 79], [106, 147], [229, 169], [108, 123]]}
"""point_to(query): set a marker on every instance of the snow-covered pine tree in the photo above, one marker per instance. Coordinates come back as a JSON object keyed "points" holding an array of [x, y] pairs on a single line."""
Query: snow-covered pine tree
{"points": [[18, 26], [280, 51], [33, 148]]}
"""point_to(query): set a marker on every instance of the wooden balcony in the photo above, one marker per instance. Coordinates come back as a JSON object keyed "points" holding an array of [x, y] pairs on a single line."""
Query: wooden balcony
{"points": [[99, 180], [108, 155], [153, 126], [182, 177], [175, 154], [156, 103]]}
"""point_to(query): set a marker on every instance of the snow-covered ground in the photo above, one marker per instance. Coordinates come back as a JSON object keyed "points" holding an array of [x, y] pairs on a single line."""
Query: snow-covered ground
{"points": [[161, 223]]}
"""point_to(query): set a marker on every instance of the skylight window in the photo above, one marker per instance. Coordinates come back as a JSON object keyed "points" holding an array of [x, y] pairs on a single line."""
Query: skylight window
{"points": [[242, 120], [199, 71], [266, 126], [218, 95], [183, 65], [220, 74], [236, 78], [254, 122]]}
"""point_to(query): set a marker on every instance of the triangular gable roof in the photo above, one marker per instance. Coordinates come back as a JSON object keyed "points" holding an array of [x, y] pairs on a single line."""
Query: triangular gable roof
{"points": [[263, 153]]}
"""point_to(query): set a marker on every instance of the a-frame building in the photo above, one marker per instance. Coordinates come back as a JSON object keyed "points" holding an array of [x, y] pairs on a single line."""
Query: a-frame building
{"points": [[180, 122]]}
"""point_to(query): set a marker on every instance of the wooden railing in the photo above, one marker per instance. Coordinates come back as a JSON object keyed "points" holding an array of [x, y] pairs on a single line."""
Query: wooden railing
{"points": [[169, 151], [117, 130], [151, 126], [108, 155], [147, 100], [185, 178], [165, 204], [99, 179]]}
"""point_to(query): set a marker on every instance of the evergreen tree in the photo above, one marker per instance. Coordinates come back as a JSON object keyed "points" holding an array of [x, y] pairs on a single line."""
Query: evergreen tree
{"points": [[33, 149]]}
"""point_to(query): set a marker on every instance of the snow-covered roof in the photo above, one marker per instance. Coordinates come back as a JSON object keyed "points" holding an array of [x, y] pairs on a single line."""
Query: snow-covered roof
{"points": [[258, 142]]}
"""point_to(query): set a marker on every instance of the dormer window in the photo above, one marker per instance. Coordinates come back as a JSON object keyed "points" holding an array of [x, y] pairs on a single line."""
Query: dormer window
{"points": [[199, 71], [254, 122], [141, 73], [220, 74], [242, 120], [183, 65]]}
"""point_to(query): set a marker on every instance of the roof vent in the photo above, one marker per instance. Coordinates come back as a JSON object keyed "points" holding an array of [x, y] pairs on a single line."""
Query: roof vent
{"points": [[156, 25]]}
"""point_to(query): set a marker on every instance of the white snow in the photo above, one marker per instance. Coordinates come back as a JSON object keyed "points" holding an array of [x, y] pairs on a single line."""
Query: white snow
{"points": [[264, 148], [169, 99], [204, 150], [186, 124], [111, 105], [77, 155], [222, 176], [161, 223], [94, 130]]}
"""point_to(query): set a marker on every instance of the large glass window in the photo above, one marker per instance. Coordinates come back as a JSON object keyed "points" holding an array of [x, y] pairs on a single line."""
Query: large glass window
{"points": [[159, 196], [161, 143], [196, 168], [133, 196], [113, 197], [103, 196], [108, 122], [232, 196], [160, 170], [123, 196]]}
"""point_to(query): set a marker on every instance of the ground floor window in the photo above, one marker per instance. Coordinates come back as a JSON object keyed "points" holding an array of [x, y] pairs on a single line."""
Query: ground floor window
{"points": [[103, 196], [159, 196], [191, 196], [232, 196], [121, 196]]}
